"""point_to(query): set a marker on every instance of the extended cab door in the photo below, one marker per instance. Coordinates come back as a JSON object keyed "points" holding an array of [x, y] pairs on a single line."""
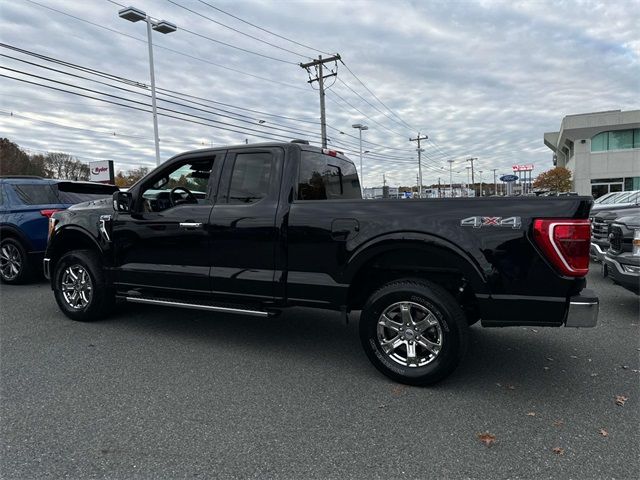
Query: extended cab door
{"points": [[243, 224], [164, 243]]}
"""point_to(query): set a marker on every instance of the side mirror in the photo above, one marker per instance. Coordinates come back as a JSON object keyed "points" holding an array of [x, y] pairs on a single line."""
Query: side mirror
{"points": [[122, 201]]}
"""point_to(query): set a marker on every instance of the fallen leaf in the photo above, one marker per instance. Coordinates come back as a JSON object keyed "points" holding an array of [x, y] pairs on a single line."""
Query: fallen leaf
{"points": [[594, 374], [382, 406], [511, 387], [398, 390], [603, 432], [620, 399], [550, 359], [545, 368], [487, 438], [625, 366], [558, 451], [499, 384], [573, 356], [534, 330], [635, 371], [558, 423], [531, 414]]}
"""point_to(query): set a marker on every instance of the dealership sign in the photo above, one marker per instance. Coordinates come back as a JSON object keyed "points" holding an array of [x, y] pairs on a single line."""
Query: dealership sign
{"points": [[522, 168], [508, 178], [101, 171]]}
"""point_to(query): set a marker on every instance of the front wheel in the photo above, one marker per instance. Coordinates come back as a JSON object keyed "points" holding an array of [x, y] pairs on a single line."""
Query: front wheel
{"points": [[80, 288], [413, 331]]}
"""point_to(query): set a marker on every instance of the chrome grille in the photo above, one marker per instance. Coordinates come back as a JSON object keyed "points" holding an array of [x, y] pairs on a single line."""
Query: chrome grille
{"points": [[600, 229]]}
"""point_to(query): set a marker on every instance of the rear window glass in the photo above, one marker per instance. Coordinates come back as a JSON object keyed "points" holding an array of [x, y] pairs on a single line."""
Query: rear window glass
{"points": [[323, 177], [251, 177], [36, 194]]}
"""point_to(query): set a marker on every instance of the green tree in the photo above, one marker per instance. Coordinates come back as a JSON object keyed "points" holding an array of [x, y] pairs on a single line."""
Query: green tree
{"points": [[557, 179], [15, 161]]}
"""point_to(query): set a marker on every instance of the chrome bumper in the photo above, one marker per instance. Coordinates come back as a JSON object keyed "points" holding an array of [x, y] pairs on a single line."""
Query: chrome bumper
{"points": [[46, 268], [583, 310], [596, 252]]}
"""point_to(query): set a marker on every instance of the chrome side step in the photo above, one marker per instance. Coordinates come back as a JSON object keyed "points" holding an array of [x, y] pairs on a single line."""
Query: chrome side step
{"points": [[197, 306]]}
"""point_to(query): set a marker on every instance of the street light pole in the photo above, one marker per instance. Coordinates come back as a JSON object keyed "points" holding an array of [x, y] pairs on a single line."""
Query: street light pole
{"points": [[135, 15], [361, 127], [153, 91]]}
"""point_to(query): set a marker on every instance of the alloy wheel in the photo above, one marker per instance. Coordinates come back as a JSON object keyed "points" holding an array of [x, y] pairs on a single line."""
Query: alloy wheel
{"points": [[76, 286], [410, 334], [10, 261]]}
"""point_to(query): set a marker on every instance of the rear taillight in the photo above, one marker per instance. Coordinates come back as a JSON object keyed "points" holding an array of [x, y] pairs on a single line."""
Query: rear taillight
{"points": [[565, 243], [48, 212]]}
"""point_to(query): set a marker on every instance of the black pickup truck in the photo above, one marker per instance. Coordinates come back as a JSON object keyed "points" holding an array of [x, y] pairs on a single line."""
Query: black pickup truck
{"points": [[253, 229]]}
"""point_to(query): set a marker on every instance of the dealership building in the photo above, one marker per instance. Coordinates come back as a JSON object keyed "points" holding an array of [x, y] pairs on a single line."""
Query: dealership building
{"points": [[601, 149]]}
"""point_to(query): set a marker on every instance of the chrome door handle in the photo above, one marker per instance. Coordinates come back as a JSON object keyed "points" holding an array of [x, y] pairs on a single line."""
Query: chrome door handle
{"points": [[190, 225]]}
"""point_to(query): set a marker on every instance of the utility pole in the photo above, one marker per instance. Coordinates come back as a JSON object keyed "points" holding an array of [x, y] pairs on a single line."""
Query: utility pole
{"points": [[439, 194], [480, 182], [384, 180], [473, 180], [417, 139], [320, 79], [418, 182], [467, 189], [495, 183]]}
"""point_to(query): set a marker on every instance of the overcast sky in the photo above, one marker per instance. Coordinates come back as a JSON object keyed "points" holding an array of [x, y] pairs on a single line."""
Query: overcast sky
{"points": [[483, 79]]}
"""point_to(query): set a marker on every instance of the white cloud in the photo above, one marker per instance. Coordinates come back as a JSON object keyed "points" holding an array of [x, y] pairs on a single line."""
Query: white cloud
{"points": [[482, 79]]}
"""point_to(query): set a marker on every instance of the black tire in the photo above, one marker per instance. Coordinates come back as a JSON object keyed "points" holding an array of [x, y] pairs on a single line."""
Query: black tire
{"points": [[446, 333], [97, 302], [14, 256]]}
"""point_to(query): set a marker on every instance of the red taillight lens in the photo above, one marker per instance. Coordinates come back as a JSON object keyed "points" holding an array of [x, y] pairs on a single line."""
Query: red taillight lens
{"points": [[48, 212], [565, 243]]}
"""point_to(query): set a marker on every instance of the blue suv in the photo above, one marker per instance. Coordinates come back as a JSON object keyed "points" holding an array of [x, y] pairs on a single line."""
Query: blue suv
{"points": [[26, 203]]}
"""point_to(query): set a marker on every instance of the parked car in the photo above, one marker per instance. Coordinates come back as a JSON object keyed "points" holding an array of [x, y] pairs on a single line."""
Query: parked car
{"points": [[284, 224], [622, 258], [26, 203], [600, 224], [630, 199]]}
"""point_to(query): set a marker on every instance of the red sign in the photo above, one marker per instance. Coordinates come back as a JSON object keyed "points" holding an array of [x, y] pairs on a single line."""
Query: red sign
{"points": [[522, 168]]}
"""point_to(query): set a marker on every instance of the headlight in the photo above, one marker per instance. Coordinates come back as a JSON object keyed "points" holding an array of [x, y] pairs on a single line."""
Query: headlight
{"points": [[636, 242]]}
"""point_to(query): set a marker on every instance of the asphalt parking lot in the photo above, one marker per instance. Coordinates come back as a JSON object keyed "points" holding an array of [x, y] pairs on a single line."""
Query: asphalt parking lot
{"points": [[164, 393]]}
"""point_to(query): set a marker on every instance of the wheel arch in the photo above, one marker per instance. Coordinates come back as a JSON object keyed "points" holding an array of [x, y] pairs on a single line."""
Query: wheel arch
{"points": [[10, 231], [68, 239], [399, 256]]}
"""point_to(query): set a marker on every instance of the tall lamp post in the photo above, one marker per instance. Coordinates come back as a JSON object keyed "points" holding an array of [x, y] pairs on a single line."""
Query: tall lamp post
{"points": [[135, 15], [361, 127]]}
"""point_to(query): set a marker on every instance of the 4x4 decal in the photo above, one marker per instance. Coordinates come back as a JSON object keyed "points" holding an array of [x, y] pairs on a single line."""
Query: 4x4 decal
{"points": [[478, 222]]}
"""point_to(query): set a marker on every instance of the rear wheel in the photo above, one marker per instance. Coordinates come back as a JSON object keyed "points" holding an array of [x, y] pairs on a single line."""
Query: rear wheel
{"points": [[80, 288], [15, 267], [413, 331]]}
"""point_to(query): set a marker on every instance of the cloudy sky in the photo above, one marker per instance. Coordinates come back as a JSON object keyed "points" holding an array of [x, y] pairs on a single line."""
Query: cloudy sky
{"points": [[482, 79]]}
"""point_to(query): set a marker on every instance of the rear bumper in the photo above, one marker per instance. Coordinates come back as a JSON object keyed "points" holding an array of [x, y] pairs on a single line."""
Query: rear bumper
{"points": [[583, 310]]}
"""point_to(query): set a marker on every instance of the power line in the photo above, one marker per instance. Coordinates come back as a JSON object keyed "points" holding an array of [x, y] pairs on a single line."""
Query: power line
{"points": [[264, 29], [238, 31], [177, 52]]}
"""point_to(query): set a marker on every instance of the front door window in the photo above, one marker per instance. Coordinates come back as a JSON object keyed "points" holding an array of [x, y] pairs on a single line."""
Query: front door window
{"points": [[187, 183]]}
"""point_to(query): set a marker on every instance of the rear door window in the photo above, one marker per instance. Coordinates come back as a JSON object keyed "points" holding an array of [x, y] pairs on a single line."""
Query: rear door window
{"points": [[36, 194], [323, 177], [251, 177]]}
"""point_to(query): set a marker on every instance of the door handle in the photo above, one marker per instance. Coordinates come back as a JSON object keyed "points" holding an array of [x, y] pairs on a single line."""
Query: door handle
{"points": [[190, 225]]}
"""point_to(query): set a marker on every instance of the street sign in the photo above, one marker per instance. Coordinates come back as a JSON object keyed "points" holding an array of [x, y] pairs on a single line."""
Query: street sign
{"points": [[508, 178]]}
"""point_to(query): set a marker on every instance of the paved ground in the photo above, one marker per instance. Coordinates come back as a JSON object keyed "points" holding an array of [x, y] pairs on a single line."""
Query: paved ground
{"points": [[162, 393]]}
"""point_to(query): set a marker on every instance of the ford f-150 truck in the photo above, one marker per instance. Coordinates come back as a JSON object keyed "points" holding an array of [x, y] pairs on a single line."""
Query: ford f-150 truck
{"points": [[276, 225]]}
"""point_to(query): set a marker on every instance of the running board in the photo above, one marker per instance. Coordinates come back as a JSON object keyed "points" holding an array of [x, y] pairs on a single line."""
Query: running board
{"points": [[197, 306]]}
